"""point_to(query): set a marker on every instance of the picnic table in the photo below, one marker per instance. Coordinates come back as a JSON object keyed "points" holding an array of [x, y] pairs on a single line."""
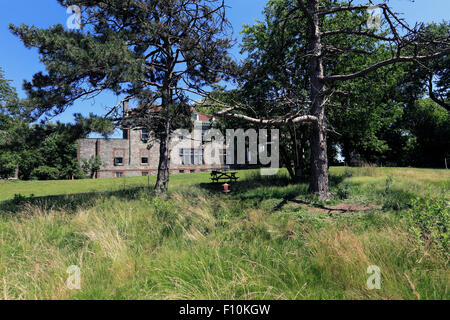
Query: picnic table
{"points": [[230, 176]]}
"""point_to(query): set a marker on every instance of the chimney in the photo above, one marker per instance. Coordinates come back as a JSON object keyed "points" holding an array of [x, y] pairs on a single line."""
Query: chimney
{"points": [[125, 108], [125, 132]]}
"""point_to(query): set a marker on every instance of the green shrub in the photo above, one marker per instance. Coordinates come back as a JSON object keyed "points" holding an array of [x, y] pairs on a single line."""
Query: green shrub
{"points": [[46, 173], [389, 182], [343, 191], [19, 199], [430, 220]]}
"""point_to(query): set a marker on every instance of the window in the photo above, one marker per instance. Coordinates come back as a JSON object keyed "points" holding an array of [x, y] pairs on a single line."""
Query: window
{"points": [[192, 171], [191, 156], [144, 173], [118, 161], [181, 137], [181, 171], [119, 174], [144, 155], [144, 134], [195, 117]]}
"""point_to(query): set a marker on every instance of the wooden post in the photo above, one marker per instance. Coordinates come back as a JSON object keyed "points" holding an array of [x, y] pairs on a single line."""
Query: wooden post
{"points": [[446, 167]]}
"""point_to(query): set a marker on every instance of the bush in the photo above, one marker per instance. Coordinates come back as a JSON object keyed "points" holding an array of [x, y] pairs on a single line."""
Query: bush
{"points": [[343, 191], [430, 220], [19, 199], [45, 173]]}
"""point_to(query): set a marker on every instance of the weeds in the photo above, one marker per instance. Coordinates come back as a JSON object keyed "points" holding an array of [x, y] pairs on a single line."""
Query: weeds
{"points": [[430, 220]]}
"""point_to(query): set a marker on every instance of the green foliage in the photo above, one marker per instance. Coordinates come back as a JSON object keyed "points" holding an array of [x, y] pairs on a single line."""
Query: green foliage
{"points": [[343, 191], [430, 220], [7, 93], [20, 199], [8, 164], [92, 166], [45, 173], [428, 125], [50, 145]]}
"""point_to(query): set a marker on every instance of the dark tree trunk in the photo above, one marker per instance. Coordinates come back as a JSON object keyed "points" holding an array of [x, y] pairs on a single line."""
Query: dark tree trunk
{"points": [[162, 181], [319, 160], [319, 164]]}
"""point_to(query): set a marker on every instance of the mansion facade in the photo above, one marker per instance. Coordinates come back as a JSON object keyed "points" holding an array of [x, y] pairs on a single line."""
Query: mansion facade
{"points": [[130, 157]]}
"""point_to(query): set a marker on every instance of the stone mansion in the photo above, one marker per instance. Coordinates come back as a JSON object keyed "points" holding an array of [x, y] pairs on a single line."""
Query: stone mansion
{"points": [[129, 156]]}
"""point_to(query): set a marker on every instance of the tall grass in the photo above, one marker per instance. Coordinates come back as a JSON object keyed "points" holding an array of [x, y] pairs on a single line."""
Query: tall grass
{"points": [[197, 243]]}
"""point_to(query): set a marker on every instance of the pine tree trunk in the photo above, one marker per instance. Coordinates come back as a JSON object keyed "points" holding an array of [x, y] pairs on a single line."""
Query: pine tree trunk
{"points": [[162, 180], [319, 164], [319, 160]]}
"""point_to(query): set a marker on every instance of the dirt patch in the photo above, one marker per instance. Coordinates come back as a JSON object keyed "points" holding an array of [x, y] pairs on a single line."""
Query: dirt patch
{"points": [[340, 208]]}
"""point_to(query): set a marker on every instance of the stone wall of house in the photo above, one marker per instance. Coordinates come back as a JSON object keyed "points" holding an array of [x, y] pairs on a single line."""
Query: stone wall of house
{"points": [[133, 148]]}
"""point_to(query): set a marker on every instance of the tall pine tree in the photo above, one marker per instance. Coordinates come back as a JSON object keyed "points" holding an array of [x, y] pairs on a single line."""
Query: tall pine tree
{"points": [[155, 52]]}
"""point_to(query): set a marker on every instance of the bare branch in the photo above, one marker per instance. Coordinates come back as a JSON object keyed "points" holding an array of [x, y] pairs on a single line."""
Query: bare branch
{"points": [[433, 96], [228, 113], [385, 63]]}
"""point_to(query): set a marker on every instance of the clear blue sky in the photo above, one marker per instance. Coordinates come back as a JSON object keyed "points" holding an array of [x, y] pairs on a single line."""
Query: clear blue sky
{"points": [[20, 63]]}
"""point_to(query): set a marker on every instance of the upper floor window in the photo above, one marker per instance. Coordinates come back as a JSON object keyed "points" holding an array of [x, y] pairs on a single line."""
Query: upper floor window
{"points": [[144, 160], [144, 134], [195, 116]]}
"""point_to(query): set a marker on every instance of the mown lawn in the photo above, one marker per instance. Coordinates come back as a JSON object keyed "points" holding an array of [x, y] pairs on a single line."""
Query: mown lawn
{"points": [[267, 240], [51, 188]]}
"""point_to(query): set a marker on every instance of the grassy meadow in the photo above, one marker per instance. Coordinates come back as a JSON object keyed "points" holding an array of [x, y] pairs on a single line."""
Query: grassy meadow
{"points": [[268, 239]]}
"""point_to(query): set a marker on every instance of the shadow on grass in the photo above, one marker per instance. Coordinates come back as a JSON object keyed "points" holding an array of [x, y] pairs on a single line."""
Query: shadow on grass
{"points": [[69, 202], [257, 188], [253, 188]]}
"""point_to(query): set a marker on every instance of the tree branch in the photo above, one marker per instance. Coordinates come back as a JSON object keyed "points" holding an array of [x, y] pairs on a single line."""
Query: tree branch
{"points": [[227, 113], [433, 96], [383, 64]]}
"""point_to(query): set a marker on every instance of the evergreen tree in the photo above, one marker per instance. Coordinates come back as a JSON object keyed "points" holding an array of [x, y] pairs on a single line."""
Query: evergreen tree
{"points": [[155, 52]]}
